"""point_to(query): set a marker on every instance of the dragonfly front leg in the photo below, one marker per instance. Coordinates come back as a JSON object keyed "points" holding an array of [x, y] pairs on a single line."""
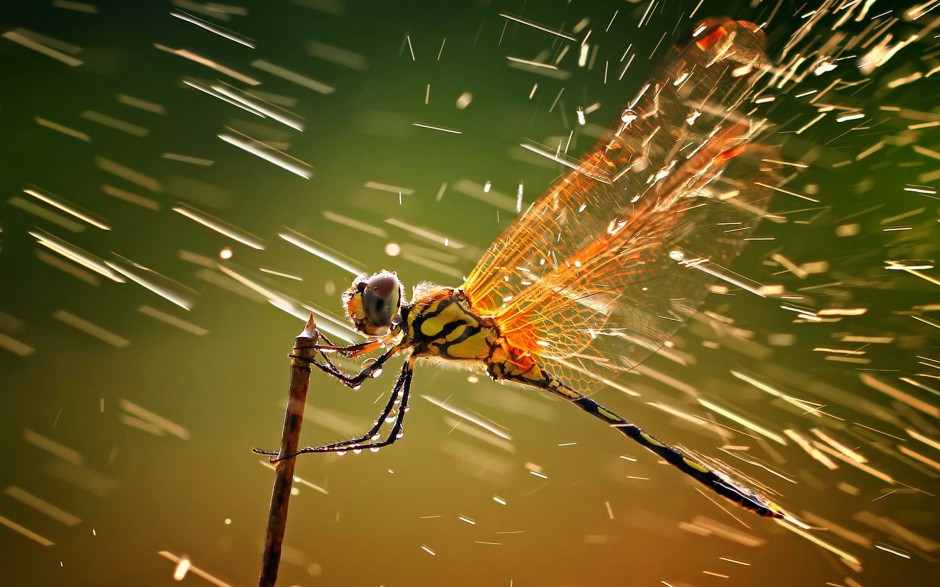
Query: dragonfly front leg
{"points": [[369, 440], [356, 380], [352, 351]]}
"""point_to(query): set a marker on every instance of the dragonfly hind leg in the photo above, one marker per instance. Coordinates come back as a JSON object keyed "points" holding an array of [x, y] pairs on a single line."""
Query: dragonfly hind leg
{"points": [[369, 440]]}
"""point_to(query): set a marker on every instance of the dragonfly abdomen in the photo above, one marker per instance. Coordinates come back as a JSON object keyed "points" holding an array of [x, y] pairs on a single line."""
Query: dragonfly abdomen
{"points": [[514, 365]]}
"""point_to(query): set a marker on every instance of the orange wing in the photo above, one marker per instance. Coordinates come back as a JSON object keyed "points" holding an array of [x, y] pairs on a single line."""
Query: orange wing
{"points": [[603, 268]]}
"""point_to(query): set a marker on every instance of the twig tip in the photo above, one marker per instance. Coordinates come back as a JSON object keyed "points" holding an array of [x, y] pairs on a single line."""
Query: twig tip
{"points": [[310, 329]]}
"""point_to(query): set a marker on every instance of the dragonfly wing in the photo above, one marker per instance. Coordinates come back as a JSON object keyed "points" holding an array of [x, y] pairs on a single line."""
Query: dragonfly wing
{"points": [[603, 268]]}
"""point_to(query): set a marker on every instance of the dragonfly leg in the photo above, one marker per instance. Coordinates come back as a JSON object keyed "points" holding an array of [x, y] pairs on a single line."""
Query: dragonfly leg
{"points": [[356, 380], [401, 391], [712, 479], [352, 351]]}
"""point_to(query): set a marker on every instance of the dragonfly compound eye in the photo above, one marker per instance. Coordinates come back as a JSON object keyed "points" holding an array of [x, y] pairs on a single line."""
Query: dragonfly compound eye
{"points": [[373, 303]]}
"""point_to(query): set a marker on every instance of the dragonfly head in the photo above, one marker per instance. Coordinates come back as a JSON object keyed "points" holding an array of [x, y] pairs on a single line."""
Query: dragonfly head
{"points": [[373, 303]]}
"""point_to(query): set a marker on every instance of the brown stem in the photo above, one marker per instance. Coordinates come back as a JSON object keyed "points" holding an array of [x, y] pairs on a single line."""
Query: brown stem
{"points": [[290, 437]]}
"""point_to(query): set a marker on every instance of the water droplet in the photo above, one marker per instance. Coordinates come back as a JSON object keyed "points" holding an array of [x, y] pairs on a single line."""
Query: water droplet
{"points": [[825, 65], [464, 100], [314, 569], [628, 116]]}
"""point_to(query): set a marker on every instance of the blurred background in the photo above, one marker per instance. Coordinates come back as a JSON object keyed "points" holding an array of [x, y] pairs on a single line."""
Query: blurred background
{"points": [[152, 209]]}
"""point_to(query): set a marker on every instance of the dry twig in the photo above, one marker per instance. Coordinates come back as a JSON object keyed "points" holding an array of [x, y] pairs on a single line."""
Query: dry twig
{"points": [[284, 469]]}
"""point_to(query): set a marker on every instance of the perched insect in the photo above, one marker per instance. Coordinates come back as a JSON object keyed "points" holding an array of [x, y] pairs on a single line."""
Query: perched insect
{"points": [[605, 266]]}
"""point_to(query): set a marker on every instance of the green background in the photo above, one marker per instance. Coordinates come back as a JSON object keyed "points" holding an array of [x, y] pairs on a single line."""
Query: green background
{"points": [[597, 519]]}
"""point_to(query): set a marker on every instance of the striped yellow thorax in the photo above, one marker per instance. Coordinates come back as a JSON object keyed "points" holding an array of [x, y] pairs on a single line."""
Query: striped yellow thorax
{"points": [[442, 324]]}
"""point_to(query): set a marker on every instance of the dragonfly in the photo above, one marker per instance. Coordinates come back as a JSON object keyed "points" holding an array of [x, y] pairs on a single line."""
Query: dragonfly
{"points": [[604, 267]]}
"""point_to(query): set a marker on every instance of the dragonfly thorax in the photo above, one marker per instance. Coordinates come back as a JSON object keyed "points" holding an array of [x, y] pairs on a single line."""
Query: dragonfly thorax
{"points": [[441, 322]]}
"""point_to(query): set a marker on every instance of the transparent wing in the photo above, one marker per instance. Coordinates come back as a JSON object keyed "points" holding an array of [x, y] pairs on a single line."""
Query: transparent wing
{"points": [[603, 268]]}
